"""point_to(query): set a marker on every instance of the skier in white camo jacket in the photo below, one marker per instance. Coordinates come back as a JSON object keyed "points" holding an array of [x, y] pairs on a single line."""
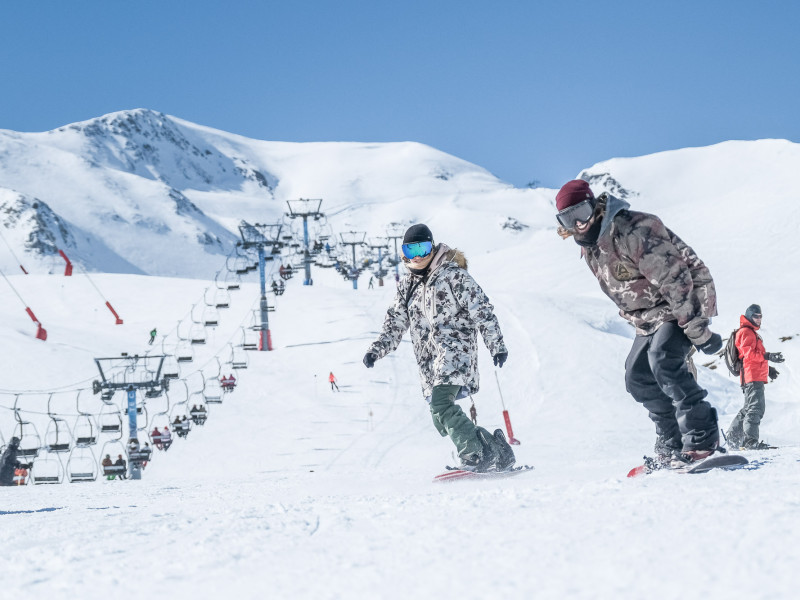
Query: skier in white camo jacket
{"points": [[445, 308]]}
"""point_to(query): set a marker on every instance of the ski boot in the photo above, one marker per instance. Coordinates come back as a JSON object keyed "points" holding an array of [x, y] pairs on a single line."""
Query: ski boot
{"points": [[505, 455], [753, 444], [487, 459], [665, 449]]}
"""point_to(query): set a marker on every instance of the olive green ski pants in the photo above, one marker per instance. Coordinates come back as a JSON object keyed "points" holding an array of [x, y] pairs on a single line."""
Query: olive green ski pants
{"points": [[449, 419]]}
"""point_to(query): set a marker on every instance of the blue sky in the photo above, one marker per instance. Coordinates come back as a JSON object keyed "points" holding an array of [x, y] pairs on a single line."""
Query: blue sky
{"points": [[529, 90]]}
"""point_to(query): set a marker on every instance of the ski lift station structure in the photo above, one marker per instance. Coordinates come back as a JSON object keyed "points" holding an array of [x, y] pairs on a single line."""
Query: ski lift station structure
{"points": [[129, 382]]}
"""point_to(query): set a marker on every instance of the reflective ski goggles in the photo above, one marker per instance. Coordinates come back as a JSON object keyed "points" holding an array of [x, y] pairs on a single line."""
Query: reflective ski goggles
{"points": [[582, 212], [416, 249]]}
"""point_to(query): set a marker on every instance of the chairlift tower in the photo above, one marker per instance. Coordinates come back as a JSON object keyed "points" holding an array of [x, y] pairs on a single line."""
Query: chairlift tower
{"points": [[129, 367], [377, 244], [261, 236], [353, 238], [395, 232], [305, 208]]}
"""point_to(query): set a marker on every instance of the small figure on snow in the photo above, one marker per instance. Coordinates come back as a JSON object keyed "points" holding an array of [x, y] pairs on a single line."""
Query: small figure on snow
{"points": [[371, 282], [153, 334], [473, 413], [436, 298], [743, 432], [332, 379], [666, 292]]}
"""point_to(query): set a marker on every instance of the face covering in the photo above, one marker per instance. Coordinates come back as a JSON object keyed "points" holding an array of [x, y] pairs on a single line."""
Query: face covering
{"points": [[590, 237]]}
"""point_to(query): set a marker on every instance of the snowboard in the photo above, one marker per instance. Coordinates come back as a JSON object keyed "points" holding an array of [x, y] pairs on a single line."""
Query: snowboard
{"points": [[454, 474], [716, 461]]}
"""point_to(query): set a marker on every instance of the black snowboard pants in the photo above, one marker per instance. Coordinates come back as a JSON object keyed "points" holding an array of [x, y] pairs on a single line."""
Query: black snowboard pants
{"points": [[657, 376]]}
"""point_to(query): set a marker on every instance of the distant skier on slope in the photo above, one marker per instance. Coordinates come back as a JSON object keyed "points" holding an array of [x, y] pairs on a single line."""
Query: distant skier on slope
{"points": [[743, 431], [664, 290], [445, 308]]}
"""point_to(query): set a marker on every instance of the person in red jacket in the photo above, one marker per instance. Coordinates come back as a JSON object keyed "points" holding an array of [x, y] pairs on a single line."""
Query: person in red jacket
{"points": [[743, 432]]}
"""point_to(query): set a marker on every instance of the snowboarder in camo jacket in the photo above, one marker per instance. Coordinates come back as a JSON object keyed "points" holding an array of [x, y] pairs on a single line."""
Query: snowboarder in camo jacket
{"points": [[444, 308], [666, 292]]}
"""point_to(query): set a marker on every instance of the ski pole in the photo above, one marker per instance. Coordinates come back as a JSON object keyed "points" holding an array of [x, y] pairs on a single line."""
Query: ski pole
{"points": [[506, 417]]}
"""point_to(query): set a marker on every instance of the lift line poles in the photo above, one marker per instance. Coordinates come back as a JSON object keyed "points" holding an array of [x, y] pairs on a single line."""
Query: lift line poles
{"points": [[260, 236], [305, 208], [375, 244], [353, 238], [395, 232], [132, 364]]}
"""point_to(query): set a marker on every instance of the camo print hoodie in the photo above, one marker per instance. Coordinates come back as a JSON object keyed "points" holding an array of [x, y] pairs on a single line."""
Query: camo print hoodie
{"points": [[444, 311], [650, 273]]}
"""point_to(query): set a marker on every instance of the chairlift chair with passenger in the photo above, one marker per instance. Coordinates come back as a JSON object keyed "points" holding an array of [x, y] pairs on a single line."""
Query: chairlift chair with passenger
{"points": [[114, 448]]}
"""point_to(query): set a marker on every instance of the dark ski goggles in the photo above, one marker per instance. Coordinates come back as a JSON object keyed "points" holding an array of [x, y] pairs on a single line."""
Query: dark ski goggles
{"points": [[417, 249], [582, 212]]}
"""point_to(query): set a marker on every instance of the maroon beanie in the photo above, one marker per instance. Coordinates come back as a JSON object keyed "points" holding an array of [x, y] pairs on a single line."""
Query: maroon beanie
{"points": [[572, 193]]}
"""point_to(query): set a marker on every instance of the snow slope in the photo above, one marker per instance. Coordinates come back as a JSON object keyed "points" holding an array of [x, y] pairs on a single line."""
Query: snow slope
{"points": [[294, 491]]}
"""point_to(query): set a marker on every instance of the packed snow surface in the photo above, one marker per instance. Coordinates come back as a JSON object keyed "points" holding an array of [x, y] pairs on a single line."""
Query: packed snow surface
{"points": [[292, 490]]}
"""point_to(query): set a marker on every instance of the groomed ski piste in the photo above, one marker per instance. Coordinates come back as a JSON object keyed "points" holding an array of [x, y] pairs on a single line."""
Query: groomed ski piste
{"points": [[291, 490]]}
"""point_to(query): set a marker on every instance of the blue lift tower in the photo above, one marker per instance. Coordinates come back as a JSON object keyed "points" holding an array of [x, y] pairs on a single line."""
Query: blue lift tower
{"points": [[262, 237], [132, 373], [305, 208], [353, 238]]}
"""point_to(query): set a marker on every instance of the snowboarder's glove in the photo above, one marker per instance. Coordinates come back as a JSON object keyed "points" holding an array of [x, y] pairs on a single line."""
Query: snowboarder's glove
{"points": [[776, 357], [713, 344], [500, 359], [773, 373], [369, 359]]}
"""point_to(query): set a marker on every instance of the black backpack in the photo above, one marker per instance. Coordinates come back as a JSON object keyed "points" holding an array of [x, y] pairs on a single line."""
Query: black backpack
{"points": [[732, 359]]}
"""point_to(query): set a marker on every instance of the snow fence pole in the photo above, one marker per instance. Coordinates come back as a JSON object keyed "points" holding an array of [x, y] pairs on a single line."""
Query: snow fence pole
{"points": [[68, 268], [41, 333], [506, 417]]}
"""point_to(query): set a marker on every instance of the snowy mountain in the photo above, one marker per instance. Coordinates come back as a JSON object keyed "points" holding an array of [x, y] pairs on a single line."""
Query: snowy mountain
{"points": [[292, 490], [163, 196]]}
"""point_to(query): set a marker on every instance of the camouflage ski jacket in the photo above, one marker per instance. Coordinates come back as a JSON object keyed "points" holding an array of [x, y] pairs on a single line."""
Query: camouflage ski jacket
{"points": [[444, 311], [650, 273]]}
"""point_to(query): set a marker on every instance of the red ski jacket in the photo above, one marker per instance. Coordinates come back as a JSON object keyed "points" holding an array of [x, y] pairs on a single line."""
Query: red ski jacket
{"points": [[751, 349]]}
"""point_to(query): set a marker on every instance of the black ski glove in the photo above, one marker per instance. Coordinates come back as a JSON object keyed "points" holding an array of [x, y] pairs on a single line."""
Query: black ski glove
{"points": [[369, 359], [500, 358], [713, 344], [773, 373], [776, 357]]}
